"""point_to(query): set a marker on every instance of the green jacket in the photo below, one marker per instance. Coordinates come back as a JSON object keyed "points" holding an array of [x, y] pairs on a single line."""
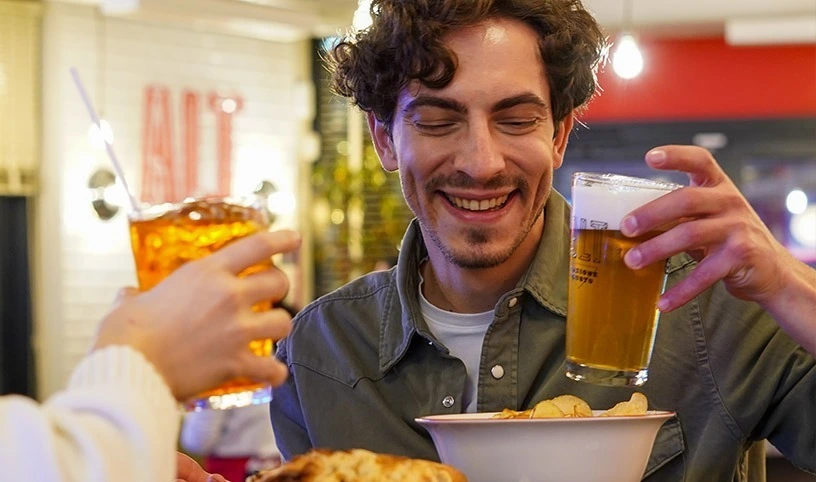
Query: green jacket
{"points": [[363, 365]]}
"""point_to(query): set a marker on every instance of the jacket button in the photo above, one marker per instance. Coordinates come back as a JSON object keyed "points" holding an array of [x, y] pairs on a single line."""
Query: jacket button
{"points": [[497, 371], [513, 302], [448, 401]]}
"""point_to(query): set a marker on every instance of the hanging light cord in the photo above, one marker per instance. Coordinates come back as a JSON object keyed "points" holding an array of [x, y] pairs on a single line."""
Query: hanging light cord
{"points": [[101, 58], [627, 16]]}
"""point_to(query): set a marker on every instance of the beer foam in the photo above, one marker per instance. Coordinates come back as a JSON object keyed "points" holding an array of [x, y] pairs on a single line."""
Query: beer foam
{"points": [[604, 206]]}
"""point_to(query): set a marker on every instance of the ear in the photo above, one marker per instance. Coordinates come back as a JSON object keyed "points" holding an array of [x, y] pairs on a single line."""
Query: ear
{"points": [[561, 139], [383, 143]]}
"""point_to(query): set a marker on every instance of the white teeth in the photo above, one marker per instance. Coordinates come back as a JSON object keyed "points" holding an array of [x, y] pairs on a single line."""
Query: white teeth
{"points": [[474, 205]]}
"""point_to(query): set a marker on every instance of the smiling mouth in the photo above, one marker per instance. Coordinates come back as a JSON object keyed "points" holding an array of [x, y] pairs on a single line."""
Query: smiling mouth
{"points": [[478, 205]]}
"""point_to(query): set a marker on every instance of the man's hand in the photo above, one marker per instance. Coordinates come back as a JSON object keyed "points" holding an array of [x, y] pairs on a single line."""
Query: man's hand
{"points": [[714, 223], [718, 227]]}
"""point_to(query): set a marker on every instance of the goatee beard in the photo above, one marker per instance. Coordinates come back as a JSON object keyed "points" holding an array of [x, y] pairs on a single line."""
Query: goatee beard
{"points": [[477, 256]]}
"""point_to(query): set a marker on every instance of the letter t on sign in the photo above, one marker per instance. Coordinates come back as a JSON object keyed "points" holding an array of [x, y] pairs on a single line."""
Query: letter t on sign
{"points": [[191, 126], [224, 108]]}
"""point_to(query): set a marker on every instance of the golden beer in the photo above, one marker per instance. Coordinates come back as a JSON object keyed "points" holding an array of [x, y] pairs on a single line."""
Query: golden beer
{"points": [[612, 309], [612, 313], [164, 237]]}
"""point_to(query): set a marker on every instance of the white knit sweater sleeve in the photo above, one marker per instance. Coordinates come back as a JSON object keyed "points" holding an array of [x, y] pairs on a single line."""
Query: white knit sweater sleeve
{"points": [[116, 421]]}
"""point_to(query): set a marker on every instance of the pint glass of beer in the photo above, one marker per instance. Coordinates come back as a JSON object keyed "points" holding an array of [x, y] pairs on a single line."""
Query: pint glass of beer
{"points": [[612, 310], [165, 236]]}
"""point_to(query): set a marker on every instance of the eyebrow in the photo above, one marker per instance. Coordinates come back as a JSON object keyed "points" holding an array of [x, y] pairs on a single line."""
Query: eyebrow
{"points": [[527, 98], [458, 107], [431, 101]]}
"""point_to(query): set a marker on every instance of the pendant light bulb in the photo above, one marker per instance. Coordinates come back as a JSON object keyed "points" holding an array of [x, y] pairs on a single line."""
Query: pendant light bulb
{"points": [[627, 61], [362, 16]]}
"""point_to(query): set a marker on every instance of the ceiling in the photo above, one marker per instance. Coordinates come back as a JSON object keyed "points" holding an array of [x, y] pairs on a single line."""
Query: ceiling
{"points": [[666, 13], [293, 19], [766, 21]]}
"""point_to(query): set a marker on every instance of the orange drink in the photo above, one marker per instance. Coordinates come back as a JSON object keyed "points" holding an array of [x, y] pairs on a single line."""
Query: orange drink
{"points": [[165, 236]]}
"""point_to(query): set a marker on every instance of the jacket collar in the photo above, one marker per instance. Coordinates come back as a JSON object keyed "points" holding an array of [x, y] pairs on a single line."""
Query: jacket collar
{"points": [[545, 281]]}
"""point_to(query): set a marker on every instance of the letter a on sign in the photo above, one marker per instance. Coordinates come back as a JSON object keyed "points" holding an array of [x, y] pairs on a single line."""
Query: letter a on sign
{"points": [[225, 109]]}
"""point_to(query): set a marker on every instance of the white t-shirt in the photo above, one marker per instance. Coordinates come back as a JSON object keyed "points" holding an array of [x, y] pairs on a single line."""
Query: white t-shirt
{"points": [[463, 335]]}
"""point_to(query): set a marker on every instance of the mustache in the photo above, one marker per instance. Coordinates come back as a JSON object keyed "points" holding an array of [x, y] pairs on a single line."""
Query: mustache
{"points": [[462, 180]]}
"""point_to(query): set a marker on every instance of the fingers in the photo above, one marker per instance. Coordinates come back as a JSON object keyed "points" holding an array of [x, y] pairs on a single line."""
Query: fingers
{"points": [[266, 369], [705, 274], [274, 324], [685, 203], [682, 238], [256, 248], [248, 363], [187, 470], [694, 201], [695, 161], [271, 284]]}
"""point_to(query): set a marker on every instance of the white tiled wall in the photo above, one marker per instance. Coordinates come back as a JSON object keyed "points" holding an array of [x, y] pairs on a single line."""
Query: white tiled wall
{"points": [[81, 261]]}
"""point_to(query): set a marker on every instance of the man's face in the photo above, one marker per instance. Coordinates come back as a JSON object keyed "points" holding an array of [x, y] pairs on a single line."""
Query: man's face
{"points": [[476, 158]]}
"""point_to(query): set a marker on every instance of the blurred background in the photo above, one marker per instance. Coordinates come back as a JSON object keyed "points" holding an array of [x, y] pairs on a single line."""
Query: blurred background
{"points": [[204, 97]]}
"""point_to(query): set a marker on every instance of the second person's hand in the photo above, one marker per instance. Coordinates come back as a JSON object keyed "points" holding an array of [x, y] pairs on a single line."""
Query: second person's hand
{"points": [[196, 325], [188, 470]]}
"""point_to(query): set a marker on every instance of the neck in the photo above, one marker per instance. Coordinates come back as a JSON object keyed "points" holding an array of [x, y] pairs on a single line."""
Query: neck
{"points": [[460, 290]]}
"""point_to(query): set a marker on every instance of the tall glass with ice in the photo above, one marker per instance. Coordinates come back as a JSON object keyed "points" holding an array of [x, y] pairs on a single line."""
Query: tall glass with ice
{"points": [[165, 236], [612, 310]]}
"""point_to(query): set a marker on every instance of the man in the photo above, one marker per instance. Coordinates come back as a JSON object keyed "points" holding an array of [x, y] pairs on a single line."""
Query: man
{"points": [[472, 102], [119, 419]]}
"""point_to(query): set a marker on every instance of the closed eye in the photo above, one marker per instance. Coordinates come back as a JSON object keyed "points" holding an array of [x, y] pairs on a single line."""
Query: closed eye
{"points": [[518, 126], [436, 128]]}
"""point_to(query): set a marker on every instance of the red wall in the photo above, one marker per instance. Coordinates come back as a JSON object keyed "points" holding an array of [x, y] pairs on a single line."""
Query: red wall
{"points": [[691, 79]]}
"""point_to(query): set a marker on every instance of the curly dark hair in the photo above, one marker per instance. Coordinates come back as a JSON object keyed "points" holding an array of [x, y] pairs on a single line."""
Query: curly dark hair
{"points": [[405, 43]]}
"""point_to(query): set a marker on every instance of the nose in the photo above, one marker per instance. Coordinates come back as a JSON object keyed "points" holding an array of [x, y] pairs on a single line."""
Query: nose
{"points": [[480, 156]]}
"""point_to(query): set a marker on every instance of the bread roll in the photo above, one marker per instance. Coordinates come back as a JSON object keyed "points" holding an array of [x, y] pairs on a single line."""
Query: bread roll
{"points": [[357, 465]]}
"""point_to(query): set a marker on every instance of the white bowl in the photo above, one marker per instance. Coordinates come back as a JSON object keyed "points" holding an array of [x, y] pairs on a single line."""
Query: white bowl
{"points": [[591, 449]]}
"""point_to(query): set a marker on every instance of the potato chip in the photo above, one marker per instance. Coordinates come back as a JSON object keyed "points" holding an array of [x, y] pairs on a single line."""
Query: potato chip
{"points": [[506, 413], [546, 409], [572, 406], [637, 405]]}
